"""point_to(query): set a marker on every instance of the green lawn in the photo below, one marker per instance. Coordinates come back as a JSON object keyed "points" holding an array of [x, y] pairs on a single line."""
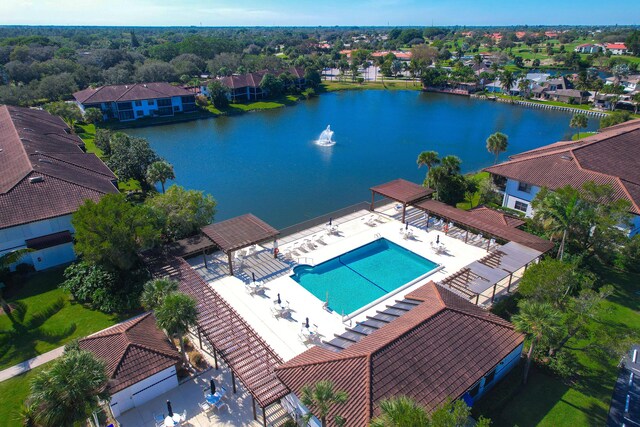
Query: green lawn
{"points": [[14, 391], [48, 318], [244, 107], [547, 401], [333, 86], [87, 134]]}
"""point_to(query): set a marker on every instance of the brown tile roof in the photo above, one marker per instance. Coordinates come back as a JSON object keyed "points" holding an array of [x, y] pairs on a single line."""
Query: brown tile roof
{"points": [[436, 351], [402, 190], [35, 146], [239, 232], [495, 216], [245, 352], [254, 79], [130, 92], [133, 350], [608, 157], [490, 226]]}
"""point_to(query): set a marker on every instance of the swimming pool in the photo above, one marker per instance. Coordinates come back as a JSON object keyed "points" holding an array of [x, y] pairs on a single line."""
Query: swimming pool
{"points": [[359, 277]]}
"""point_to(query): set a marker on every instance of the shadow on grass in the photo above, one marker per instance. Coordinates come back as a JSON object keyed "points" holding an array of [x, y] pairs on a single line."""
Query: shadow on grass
{"points": [[510, 403], [26, 332]]}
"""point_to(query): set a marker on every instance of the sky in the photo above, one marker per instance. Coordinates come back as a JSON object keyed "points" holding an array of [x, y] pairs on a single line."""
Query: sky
{"points": [[318, 12]]}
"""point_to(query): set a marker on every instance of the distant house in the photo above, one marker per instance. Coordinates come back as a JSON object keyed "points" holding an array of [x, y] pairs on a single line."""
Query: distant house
{"points": [[551, 34], [559, 89], [246, 87], [141, 361], [589, 48], [538, 78], [616, 48], [435, 347], [402, 56], [136, 101], [45, 175], [630, 83], [608, 157]]}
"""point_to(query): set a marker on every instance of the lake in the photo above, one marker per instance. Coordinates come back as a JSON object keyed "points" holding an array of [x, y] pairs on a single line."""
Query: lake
{"points": [[267, 163]]}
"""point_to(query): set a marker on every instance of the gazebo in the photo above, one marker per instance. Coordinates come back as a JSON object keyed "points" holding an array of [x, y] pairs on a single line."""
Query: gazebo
{"points": [[238, 233], [401, 191]]}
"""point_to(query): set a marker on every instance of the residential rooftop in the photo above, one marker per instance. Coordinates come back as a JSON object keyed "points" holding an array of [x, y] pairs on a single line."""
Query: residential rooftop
{"points": [[608, 157], [44, 171], [129, 92]]}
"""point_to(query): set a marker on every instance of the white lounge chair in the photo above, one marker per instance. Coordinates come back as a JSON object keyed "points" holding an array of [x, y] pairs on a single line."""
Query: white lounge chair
{"points": [[371, 222]]}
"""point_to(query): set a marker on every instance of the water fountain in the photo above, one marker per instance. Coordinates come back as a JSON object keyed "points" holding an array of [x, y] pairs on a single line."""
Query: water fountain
{"points": [[326, 138]]}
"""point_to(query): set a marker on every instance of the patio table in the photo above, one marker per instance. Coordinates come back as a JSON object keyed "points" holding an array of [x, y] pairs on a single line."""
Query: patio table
{"points": [[212, 399]]}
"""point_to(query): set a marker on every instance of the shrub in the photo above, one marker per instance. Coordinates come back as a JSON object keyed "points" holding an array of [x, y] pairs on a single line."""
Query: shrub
{"points": [[196, 359], [629, 257], [202, 100]]}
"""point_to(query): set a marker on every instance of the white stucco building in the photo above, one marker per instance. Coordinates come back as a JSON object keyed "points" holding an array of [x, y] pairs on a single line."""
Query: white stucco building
{"points": [[45, 175], [612, 157]]}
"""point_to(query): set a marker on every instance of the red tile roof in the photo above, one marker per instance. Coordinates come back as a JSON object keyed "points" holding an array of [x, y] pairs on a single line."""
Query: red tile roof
{"points": [[436, 351], [130, 92], [239, 232], [44, 172], [132, 350], [615, 46], [402, 190], [495, 216], [608, 157], [253, 80]]}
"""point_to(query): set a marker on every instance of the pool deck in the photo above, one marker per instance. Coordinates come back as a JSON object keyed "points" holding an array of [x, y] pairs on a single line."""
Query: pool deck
{"points": [[284, 334]]}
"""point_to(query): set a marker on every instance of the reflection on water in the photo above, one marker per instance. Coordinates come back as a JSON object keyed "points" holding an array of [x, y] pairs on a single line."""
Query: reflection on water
{"points": [[266, 163]]}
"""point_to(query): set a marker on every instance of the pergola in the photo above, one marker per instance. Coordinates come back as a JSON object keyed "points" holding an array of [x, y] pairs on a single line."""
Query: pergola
{"points": [[238, 233], [226, 334], [401, 191], [506, 232], [488, 272]]}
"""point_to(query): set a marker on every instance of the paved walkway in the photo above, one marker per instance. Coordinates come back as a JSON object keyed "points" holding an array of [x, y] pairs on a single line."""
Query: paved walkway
{"points": [[27, 365]]}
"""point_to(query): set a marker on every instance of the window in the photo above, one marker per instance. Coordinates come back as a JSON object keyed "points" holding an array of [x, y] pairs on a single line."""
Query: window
{"points": [[151, 102], [521, 206], [138, 113], [524, 187], [138, 103], [474, 391]]}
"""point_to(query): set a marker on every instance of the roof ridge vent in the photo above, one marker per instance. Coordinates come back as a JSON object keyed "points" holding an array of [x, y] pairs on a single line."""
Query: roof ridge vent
{"points": [[29, 129], [565, 157], [36, 179], [44, 160]]}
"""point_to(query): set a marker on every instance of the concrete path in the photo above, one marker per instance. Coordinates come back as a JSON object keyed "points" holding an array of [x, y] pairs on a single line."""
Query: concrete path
{"points": [[27, 365]]}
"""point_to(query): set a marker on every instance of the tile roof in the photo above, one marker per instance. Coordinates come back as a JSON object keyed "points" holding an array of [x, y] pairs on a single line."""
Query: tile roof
{"points": [[486, 224], [44, 171], [129, 92], [132, 350], [495, 216], [435, 351], [254, 79], [239, 232], [402, 190], [608, 157]]}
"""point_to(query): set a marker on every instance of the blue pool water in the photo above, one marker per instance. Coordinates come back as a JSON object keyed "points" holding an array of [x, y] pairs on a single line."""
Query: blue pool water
{"points": [[362, 275]]}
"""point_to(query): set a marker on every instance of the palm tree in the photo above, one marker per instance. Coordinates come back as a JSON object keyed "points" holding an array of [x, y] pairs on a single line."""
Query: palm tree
{"points": [[451, 164], [176, 314], [579, 121], [497, 143], [155, 291], [535, 319], [558, 211], [401, 411], [506, 81], [160, 171], [68, 392], [320, 397], [523, 87], [428, 159]]}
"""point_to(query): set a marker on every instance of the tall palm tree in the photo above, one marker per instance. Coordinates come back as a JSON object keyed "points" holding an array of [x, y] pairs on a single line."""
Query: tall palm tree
{"points": [[536, 320], [506, 81], [160, 171], [155, 291], [579, 121], [558, 211], [497, 143], [428, 159], [451, 164], [176, 315], [320, 397], [401, 411], [68, 392], [523, 87]]}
